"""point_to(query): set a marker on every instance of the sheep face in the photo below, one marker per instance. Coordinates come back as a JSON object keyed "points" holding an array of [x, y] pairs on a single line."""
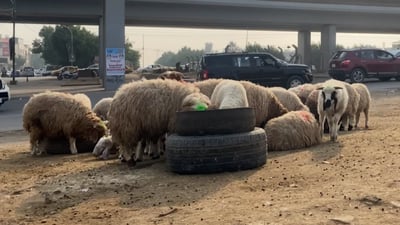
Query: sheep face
{"points": [[329, 96], [94, 129]]}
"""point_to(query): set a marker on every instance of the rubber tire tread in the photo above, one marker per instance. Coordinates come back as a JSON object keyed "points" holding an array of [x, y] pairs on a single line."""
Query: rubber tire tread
{"points": [[216, 153]]}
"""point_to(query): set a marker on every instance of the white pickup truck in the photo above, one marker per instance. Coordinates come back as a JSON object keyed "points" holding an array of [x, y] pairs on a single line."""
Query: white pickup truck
{"points": [[4, 92]]}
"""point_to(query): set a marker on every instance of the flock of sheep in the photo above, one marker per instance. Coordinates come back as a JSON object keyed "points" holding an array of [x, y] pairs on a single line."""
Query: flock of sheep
{"points": [[141, 114]]}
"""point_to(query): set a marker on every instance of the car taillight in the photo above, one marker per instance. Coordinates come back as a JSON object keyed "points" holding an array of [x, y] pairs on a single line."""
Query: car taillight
{"points": [[205, 74], [345, 63]]}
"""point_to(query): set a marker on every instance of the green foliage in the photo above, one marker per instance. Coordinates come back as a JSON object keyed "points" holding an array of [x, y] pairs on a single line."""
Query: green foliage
{"points": [[277, 52], [184, 55], [131, 56], [55, 46]]}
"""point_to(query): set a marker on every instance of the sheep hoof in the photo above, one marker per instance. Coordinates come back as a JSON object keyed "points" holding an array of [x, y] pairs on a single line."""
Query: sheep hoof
{"points": [[350, 127], [155, 157], [131, 163]]}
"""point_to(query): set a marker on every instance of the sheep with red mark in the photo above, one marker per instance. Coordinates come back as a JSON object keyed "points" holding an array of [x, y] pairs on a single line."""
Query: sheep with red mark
{"points": [[146, 110], [51, 115], [293, 130]]}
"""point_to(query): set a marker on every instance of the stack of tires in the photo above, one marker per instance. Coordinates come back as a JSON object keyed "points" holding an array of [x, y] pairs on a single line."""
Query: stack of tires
{"points": [[216, 141]]}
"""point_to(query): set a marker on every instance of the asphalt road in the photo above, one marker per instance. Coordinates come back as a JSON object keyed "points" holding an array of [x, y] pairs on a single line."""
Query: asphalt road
{"points": [[11, 111]]}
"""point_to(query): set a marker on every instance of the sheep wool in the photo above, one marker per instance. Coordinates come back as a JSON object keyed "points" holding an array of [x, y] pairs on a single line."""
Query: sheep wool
{"points": [[364, 104], [55, 115], [229, 94], [145, 110], [102, 107], [289, 99], [84, 99], [293, 130], [302, 91]]}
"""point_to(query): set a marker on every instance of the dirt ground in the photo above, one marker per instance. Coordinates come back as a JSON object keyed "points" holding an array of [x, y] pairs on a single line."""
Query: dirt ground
{"points": [[353, 181]]}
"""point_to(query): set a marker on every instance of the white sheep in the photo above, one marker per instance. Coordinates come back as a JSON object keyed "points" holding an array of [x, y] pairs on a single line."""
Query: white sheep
{"points": [[332, 103], [104, 147], [365, 101], [293, 130], [302, 91], [102, 107], [54, 115], [289, 99], [146, 110], [265, 103], [229, 94]]}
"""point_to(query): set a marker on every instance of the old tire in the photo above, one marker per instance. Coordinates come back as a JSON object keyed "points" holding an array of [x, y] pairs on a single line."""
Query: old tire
{"points": [[216, 153], [211, 122]]}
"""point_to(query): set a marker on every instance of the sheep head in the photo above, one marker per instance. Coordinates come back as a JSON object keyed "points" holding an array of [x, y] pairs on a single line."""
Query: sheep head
{"points": [[329, 96], [92, 128], [194, 100]]}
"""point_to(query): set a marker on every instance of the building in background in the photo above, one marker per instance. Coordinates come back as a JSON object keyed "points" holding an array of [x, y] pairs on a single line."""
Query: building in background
{"points": [[21, 50]]}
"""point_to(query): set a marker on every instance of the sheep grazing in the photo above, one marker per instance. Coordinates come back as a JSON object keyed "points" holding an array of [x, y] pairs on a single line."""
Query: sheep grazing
{"points": [[173, 75], [332, 104], [146, 110], [84, 99], [365, 101], [102, 107], [302, 91], [54, 114], [195, 100], [265, 103], [229, 94], [293, 130], [289, 99]]}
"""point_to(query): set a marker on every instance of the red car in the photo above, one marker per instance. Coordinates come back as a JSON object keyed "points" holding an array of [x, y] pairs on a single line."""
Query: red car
{"points": [[359, 64]]}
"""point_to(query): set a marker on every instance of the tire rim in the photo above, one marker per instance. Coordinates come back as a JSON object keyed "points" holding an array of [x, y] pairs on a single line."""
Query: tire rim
{"points": [[358, 76], [295, 83]]}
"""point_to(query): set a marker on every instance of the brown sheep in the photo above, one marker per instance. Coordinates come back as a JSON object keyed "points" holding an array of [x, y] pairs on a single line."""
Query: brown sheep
{"points": [[54, 115], [365, 101], [173, 75]]}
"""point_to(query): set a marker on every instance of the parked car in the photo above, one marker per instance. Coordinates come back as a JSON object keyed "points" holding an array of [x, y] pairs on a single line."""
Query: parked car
{"points": [[260, 68], [4, 92], [46, 70], [358, 64], [28, 72]]}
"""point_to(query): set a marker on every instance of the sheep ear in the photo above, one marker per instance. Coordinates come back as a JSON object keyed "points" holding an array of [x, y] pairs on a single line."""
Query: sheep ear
{"points": [[338, 88], [320, 88]]}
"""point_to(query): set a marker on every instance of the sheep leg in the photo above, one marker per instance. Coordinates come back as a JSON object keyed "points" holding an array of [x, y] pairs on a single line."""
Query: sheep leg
{"points": [[106, 153], [155, 151], [140, 148], [35, 136], [334, 123], [351, 122], [72, 146], [366, 118], [345, 122], [357, 119], [322, 118]]}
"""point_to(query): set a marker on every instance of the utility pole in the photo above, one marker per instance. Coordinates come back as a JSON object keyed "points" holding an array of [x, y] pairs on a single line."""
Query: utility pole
{"points": [[71, 56], [13, 2]]}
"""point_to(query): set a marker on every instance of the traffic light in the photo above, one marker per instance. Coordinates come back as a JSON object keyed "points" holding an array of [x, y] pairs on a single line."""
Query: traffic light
{"points": [[11, 45]]}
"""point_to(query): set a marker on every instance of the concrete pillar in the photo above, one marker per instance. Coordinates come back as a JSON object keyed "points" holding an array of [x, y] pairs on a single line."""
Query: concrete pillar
{"points": [[304, 47], [112, 37], [328, 44]]}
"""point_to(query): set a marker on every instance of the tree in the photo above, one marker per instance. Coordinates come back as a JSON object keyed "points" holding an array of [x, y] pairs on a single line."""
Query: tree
{"points": [[184, 55], [277, 52], [131, 56]]}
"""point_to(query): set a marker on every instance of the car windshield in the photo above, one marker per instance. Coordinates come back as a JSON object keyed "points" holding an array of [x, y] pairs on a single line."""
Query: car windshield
{"points": [[340, 55]]}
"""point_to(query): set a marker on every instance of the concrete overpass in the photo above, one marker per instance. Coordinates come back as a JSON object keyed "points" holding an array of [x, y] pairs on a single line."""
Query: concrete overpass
{"points": [[304, 16]]}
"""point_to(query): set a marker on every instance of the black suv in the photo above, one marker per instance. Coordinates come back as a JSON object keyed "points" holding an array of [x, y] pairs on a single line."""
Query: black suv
{"points": [[260, 68]]}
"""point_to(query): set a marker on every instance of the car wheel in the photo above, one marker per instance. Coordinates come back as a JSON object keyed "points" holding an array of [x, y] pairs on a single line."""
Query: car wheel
{"points": [[216, 153], [384, 78], [59, 77], [294, 81], [218, 121], [357, 75]]}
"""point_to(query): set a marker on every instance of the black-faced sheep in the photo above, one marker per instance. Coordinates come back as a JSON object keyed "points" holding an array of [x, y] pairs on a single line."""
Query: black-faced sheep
{"points": [[293, 130], [332, 104], [146, 110], [55, 115], [229, 94], [102, 107], [365, 100], [265, 103], [289, 99]]}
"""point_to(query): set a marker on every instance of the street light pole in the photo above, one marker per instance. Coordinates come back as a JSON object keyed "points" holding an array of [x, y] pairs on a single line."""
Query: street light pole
{"points": [[13, 2]]}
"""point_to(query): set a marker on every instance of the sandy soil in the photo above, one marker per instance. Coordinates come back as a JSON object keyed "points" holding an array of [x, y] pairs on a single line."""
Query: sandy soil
{"points": [[353, 181]]}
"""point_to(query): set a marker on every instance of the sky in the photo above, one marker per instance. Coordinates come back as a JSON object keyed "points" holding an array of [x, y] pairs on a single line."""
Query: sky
{"points": [[155, 41]]}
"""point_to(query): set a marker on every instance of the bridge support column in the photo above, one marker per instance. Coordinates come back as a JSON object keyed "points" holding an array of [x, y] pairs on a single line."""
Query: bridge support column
{"points": [[112, 38], [328, 45], [304, 47]]}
